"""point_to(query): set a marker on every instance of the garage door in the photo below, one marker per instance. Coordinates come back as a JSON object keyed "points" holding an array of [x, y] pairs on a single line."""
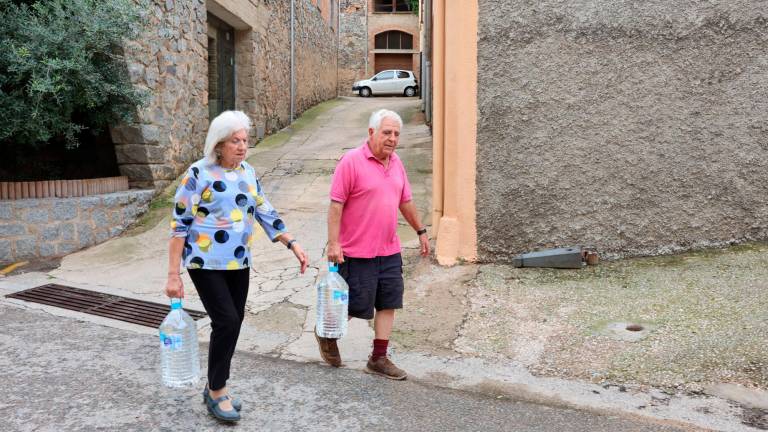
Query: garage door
{"points": [[393, 61]]}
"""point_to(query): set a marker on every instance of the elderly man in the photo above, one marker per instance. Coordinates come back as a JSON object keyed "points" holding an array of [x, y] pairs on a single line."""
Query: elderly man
{"points": [[369, 186]]}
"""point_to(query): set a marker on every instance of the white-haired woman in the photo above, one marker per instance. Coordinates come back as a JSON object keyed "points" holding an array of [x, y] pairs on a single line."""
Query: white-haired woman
{"points": [[217, 204]]}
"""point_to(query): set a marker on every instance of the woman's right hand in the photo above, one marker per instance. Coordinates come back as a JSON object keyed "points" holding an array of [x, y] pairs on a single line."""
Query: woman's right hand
{"points": [[174, 288]]}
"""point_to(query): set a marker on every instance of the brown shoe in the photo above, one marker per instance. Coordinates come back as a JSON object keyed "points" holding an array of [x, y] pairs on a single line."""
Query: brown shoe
{"points": [[328, 350], [384, 367]]}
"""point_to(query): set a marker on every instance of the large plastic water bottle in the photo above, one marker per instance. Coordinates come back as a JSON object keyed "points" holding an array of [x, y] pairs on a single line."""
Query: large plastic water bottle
{"points": [[332, 304], [179, 361]]}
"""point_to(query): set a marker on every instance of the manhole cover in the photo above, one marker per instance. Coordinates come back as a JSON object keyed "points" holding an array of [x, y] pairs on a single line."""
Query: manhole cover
{"points": [[105, 305]]}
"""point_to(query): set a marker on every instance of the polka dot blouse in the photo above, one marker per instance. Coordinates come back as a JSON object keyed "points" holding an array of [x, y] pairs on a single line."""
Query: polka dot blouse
{"points": [[216, 209]]}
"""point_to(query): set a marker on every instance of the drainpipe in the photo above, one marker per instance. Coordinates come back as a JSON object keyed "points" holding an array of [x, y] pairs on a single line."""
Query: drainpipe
{"points": [[366, 39], [293, 60]]}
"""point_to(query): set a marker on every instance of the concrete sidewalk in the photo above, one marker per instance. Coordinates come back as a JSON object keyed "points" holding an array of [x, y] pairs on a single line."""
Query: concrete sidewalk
{"points": [[461, 328]]}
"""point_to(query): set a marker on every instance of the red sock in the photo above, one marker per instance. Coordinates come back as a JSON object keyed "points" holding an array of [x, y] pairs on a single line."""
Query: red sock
{"points": [[379, 348]]}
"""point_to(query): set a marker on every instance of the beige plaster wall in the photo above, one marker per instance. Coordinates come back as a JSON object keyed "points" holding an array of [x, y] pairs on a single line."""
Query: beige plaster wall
{"points": [[455, 130]]}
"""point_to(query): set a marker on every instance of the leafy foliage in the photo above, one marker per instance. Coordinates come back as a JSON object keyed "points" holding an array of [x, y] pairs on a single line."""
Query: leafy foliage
{"points": [[61, 68], [414, 5]]}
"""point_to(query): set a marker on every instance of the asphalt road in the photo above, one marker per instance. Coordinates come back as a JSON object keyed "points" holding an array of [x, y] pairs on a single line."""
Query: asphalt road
{"points": [[64, 374]]}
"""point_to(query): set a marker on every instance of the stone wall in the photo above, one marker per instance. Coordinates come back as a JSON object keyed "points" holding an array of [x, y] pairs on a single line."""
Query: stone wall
{"points": [[638, 128], [170, 63], [353, 45], [53, 227], [316, 74]]}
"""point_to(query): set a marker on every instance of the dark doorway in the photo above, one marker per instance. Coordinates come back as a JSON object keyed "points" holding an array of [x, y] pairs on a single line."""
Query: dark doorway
{"points": [[221, 66]]}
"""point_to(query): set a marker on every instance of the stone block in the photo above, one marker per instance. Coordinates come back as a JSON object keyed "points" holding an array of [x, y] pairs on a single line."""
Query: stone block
{"points": [[6, 253], [137, 172], [37, 215], [101, 235], [28, 203], [50, 233], [84, 235], [88, 203], [136, 134], [99, 217], [25, 248], [64, 210], [151, 134], [126, 134], [67, 231], [64, 248], [10, 230], [139, 154], [47, 249], [116, 230], [6, 211]]}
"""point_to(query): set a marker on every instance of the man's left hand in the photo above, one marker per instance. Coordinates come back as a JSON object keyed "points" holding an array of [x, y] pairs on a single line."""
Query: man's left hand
{"points": [[424, 241]]}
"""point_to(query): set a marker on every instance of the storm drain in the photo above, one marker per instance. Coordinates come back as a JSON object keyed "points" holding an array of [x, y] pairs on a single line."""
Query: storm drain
{"points": [[105, 305]]}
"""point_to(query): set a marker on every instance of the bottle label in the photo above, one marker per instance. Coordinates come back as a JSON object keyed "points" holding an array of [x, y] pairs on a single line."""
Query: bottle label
{"points": [[170, 342], [340, 297]]}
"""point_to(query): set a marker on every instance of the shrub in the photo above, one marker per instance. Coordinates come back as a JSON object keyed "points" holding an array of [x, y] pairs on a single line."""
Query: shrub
{"points": [[61, 68]]}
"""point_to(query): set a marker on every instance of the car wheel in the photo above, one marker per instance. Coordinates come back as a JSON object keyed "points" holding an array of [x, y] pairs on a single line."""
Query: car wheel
{"points": [[410, 91], [365, 92]]}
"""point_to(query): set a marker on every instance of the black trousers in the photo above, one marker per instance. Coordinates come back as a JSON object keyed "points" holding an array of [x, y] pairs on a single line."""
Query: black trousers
{"points": [[223, 293]]}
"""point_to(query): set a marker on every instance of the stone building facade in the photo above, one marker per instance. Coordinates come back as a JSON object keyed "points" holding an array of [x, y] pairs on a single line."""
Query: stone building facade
{"points": [[249, 44], [353, 43], [376, 35], [637, 130]]}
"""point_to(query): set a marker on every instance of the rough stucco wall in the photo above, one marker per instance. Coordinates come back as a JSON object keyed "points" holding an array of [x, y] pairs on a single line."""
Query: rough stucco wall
{"points": [[168, 62], [353, 47], [639, 128]]}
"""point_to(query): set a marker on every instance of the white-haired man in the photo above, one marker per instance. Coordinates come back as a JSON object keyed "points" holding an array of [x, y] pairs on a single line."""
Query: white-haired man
{"points": [[369, 186]]}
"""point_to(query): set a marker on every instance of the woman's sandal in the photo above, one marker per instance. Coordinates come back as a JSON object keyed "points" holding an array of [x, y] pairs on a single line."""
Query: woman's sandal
{"points": [[216, 411], [237, 404]]}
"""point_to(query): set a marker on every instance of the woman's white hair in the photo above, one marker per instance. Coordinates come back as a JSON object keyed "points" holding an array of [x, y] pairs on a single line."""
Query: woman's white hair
{"points": [[376, 118], [221, 128]]}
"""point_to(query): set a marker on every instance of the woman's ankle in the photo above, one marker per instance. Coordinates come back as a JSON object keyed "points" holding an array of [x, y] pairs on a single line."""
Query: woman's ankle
{"points": [[217, 393]]}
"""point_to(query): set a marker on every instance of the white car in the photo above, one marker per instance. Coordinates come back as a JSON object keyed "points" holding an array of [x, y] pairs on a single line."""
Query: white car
{"points": [[393, 81]]}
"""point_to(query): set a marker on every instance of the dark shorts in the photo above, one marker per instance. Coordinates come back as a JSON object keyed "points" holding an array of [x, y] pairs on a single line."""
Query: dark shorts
{"points": [[373, 283]]}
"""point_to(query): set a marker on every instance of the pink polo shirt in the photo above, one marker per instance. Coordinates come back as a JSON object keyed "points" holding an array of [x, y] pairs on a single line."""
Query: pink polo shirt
{"points": [[371, 195]]}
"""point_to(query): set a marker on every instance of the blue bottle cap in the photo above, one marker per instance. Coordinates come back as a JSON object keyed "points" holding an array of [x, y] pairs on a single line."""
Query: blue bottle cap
{"points": [[175, 304], [333, 267]]}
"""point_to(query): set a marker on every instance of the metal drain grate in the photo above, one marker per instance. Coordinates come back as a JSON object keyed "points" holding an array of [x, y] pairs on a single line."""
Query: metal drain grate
{"points": [[95, 303]]}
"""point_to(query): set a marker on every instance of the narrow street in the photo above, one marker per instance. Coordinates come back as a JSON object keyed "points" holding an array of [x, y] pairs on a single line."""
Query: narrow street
{"points": [[114, 385]]}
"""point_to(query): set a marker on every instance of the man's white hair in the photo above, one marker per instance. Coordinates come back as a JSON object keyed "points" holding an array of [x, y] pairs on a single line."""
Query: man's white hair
{"points": [[378, 116], [221, 128]]}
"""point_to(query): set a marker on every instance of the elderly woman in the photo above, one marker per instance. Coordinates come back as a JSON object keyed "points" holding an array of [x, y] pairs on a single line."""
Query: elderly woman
{"points": [[219, 201]]}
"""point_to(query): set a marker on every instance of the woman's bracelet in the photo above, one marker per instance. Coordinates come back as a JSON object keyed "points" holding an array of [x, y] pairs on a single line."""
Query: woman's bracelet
{"points": [[290, 243]]}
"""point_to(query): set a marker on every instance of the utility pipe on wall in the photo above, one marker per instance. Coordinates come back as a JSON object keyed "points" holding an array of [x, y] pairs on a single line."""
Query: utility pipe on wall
{"points": [[293, 60]]}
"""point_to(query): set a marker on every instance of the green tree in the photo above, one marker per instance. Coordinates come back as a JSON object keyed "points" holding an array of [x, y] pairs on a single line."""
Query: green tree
{"points": [[62, 71], [414, 5]]}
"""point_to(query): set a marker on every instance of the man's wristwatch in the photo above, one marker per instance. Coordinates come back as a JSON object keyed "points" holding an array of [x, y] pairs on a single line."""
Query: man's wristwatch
{"points": [[421, 231], [290, 243]]}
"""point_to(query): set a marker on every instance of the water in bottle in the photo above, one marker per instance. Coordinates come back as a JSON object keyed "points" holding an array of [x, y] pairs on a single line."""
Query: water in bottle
{"points": [[179, 361], [332, 304]]}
